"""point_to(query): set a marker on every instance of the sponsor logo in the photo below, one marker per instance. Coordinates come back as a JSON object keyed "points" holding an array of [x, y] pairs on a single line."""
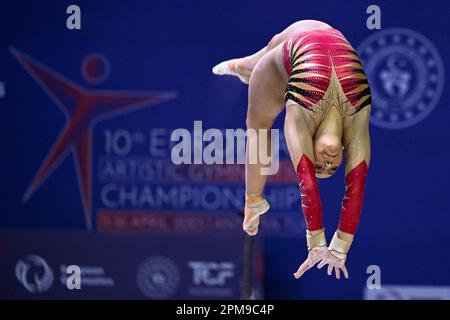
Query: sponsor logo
{"points": [[211, 273], [34, 274], [211, 279]]}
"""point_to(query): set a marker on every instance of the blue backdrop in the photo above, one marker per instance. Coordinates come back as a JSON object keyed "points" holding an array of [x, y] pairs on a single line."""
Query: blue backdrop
{"points": [[159, 54]]}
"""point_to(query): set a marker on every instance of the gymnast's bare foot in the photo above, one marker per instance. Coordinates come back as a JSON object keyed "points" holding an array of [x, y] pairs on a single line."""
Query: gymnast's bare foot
{"points": [[233, 67]]}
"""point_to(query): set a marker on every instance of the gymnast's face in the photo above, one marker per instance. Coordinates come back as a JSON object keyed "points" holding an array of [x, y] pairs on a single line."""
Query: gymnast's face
{"points": [[328, 155]]}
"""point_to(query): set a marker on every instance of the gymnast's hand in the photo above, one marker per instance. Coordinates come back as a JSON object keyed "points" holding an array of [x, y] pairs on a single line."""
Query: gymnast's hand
{"points": [[336, 261], [314, 255]]}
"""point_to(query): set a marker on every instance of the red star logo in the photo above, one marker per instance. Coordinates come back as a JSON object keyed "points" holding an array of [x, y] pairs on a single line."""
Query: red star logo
{"points": [[83, 108]]}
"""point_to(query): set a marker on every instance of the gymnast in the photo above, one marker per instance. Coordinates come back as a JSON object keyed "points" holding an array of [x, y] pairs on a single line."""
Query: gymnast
{"points": [[312, 70]]}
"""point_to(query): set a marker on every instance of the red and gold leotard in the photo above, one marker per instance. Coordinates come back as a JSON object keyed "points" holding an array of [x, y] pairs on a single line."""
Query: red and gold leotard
{"points": [[310, 57], [325, 71]]}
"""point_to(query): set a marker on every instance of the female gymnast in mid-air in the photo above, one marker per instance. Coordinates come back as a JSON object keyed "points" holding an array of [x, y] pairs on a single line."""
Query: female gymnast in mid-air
{"points": [[313, 70]]}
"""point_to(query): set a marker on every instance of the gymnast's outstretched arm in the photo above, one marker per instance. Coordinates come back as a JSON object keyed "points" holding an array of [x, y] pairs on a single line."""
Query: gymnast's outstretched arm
{"points": [[357, 149], [299, 138]]}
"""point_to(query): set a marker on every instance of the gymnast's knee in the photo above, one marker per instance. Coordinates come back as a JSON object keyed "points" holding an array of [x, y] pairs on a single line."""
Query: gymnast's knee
{"points": [[259, 122], [276, 39]]}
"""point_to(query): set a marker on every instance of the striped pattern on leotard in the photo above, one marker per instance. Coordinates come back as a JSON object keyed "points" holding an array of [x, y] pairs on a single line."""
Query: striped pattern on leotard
{"points": [[312, 55]]}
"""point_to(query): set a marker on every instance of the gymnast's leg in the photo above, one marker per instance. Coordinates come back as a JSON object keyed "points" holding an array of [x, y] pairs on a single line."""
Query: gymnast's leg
{"points": [[243, 67], [266, 89]]}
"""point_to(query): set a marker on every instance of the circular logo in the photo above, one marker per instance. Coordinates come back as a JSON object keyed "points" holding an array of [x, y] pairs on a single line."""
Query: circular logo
{"points": [[34, 274], [158, 277], [406, 76]]}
